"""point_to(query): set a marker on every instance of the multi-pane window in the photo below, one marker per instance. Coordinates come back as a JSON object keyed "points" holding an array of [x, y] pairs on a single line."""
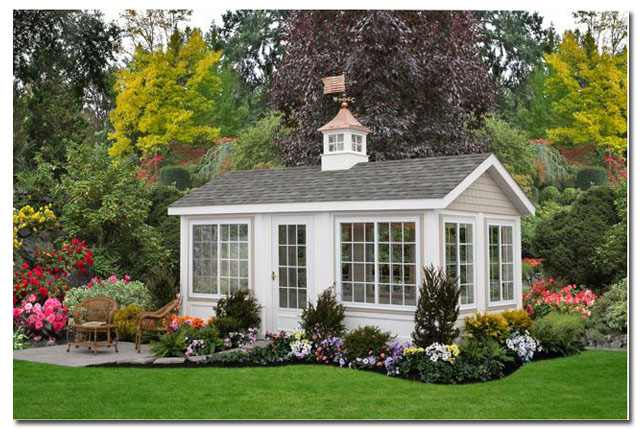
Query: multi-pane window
{"points": [[292, 266], [357, 143], [335, 142], [458, 240], [500, 261], [220, 258], [379, 263]]}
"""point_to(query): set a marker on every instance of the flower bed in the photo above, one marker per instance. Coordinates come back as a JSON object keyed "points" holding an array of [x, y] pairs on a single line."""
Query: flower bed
{"points": [[547, 296]]}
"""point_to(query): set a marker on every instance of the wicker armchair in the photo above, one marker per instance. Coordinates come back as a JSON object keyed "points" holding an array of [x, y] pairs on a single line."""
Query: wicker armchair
{"points": [[91, 317], [152, 321]]}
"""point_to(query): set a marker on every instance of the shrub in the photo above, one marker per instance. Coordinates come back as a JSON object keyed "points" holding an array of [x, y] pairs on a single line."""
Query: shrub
{"points": [[41, 321], [162, 286], [326, 319], [437, 309], [486, 325], [517, 320], [364, 341], [612, 255], [590, 176], [550, 193], [240, 306], [481, 359], [175, 175], [568, 196], [559, 333], [227, 325], [167, 226], [123, 291], [547, 296], [609, 315], [567, 240], [125, 320]]}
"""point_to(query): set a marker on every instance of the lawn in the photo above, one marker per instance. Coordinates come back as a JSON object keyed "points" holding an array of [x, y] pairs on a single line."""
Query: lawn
{"points": [[590, 385]]}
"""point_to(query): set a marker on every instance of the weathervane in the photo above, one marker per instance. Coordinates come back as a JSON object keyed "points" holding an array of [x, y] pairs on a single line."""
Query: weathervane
{"points": [[337, 84]]}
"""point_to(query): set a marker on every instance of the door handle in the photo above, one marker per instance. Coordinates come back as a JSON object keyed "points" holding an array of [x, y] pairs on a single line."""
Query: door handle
{"points": [[273, 276]]}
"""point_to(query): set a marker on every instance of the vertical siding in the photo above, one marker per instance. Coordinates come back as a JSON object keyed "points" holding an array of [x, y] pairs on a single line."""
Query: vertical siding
{"points": [[484, 195]]}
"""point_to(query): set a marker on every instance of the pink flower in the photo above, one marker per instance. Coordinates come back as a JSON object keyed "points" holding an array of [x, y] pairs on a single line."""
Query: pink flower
{"points": [[39, 325], [32, 297], [127, 278], [112, 279]]}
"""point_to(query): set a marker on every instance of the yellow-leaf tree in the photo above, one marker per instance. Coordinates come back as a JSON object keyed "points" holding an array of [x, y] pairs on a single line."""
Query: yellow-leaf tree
{"points": [[588, 93], [166, 96]]}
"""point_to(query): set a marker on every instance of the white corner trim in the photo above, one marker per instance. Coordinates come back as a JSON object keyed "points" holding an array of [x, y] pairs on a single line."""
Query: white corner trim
{"points": [[329, 206], [506, 182]]}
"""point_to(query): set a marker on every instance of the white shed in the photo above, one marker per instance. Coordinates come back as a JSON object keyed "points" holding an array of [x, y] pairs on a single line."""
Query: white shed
{"points": [[366, 228]]}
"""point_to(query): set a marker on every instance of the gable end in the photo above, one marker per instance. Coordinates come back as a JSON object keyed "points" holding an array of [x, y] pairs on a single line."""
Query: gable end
{"points": [[485, 195]]}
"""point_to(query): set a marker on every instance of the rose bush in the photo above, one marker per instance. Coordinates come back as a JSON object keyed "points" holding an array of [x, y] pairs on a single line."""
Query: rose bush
{"points": [[45, 321]]}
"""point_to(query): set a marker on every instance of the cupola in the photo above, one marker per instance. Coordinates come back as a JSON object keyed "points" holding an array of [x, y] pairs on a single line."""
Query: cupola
{"points": [[344, 141]]}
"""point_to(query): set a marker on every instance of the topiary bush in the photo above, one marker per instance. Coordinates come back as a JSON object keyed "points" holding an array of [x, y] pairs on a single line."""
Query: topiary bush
{"points": [[517, 320], [364, 341], [549, 193], [326, 319], [437, 309], [175, 175], [590, 176], [125, 320], [559, 333], [242, 307], [486, 325]]}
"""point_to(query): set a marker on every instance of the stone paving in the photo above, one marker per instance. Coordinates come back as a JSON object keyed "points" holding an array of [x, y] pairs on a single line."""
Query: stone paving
{"points": [[127, 355]]}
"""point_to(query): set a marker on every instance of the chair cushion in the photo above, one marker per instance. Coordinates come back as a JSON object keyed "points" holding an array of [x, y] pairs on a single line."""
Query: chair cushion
{"points": [[92, 324]]}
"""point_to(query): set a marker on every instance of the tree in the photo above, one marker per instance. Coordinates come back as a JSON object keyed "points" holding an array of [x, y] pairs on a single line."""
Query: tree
{"points": [[609, 29], [167, 97], [152, 29], [437, 309], [419, 82], [589, 95], [256, 146], [533, 110]]}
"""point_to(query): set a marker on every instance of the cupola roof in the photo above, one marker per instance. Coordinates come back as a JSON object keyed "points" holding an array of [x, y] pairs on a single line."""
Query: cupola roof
{"points": [[343, 120]]}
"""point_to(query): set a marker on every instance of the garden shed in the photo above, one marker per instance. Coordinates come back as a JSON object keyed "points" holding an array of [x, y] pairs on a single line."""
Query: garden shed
{"points": [[365, 228]]}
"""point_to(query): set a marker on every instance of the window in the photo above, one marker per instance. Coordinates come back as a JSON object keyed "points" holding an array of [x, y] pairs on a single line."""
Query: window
{"points": [[378, 263], [500, 262], [293, 280], [458, 242], [219, 258], [357, 145], [335, 142]]}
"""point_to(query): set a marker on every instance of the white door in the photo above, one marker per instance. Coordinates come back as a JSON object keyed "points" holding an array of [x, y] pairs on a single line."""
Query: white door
{"points": [[292, 247]]}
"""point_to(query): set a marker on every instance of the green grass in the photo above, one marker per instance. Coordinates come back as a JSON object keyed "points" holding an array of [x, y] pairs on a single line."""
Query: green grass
{"points": [[590, 385]]}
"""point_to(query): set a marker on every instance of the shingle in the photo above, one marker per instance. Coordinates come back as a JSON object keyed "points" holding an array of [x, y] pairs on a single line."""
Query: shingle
{"points": [[387, 180]]}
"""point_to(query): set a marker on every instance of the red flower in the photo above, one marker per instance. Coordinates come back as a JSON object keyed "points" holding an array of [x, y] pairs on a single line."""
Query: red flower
{"points": [[43, 292], [25, 265]]}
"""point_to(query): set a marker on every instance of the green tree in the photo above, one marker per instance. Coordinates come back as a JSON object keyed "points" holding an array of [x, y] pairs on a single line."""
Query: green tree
{"points": [[167, 97], [612, 255], [256, 147], [533, 110], [152, 29], [589, 95]]}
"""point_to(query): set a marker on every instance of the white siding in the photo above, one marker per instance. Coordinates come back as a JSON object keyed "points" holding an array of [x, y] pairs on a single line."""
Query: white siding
{"points": [[484, 195]]}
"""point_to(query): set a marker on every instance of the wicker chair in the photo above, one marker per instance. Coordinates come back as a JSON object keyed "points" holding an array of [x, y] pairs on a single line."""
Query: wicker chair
{"points": [[91, 317], [152, 321]]}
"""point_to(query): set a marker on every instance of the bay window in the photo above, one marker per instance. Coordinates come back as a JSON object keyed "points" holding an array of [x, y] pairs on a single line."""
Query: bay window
{"points": [[378, 262], [219, 258], [500, 263], [459, 259]]}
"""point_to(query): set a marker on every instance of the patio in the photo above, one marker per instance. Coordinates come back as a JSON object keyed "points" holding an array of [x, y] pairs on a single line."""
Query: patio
{"points": [[78, 357]]}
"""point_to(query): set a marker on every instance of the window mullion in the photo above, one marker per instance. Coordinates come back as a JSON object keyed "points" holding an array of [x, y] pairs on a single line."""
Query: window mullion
{"points": [[376, 261]]}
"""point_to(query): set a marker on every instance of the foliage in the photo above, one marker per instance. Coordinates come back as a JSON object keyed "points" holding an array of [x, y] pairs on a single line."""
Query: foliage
{"points": [[326, 319], [364, 341], [227, 325], [256, 145], [550, 193], [612, 254], [568, 196], [608, 28], [589, 94], [589, 176], [123, 291], [126, 319], [548, 296], [41, 321], [517, 320], [168, 227], [216, 161], [106, 205], [165, 97], [152, 29], [171, 344], [162, 286], [241, 306], [19, 338], [559, 333], [568, 240], [550, 166], [486, 325], [511, 147], [175, 175], [532, 107], [401, 62], [437, 309], [27, 221], [188, 336], [611, 308]]}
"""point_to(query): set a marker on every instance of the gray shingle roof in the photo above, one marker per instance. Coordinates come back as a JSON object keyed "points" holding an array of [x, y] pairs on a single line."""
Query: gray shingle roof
{"points": [[388, 180]]}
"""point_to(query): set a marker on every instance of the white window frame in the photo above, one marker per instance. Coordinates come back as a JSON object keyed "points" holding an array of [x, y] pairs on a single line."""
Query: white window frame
{"points": [[501, 302], [356, 144], [337, 142], [375, 220], [190, 250], [468, 221]]}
